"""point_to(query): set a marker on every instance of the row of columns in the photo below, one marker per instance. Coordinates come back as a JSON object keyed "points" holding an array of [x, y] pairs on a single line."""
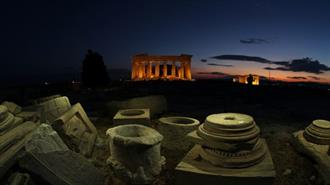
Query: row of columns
{"points": [[143, 70]]}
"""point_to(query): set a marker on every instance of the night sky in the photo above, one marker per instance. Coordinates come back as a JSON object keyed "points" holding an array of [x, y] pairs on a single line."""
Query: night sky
{"points": [[47, 40]]}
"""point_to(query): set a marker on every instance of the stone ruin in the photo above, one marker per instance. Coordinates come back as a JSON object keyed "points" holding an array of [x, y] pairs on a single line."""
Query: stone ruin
{"points": [[52, 108], [80, 131], [40, 150], [132, 116], [314, 142], [14, 132], [18, 111], [135, 153], [228, 150], [174, 129], [49, 158]]}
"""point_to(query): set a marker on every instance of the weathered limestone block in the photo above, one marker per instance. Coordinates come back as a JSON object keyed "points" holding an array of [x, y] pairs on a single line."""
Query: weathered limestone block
{"points": [[62, 168], [12, 107], [156, 104], [313, 142], [135, 153], [53, 108], [44, 99], [194, 170], [80, 131], [19, 179], [174, 130], [44, 139], [7, 120], [132, 116], [12, 143]]}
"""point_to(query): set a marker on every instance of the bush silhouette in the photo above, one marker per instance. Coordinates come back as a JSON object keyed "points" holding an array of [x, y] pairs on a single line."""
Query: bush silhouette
{"points": [[94, 72]]}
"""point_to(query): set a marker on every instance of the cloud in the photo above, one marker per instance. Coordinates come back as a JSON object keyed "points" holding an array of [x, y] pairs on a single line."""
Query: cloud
{"points": [[297, 77], [254, 41], [301, 65], [203, 60], [223, 65], [213, 73], [307, 65], [314, 77], [242, 58]]}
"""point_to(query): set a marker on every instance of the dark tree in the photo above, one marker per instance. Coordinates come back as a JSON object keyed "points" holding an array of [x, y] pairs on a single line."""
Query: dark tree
{"points": [[94, 72]]}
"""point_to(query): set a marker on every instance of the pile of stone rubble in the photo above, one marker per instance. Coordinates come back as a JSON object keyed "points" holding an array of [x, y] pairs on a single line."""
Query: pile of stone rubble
{"points": [[54, 142], [51, 140]]}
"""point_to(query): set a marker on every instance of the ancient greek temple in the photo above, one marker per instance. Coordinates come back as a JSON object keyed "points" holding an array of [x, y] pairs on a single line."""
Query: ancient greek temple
{"points": [[146, 67]]}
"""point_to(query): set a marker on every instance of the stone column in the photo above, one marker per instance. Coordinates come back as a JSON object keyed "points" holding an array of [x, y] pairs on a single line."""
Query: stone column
{"points": [[182, 68], [140, 68], [165, 69], [133, 70], [149, 70], [173, 70], [187, 71], [144, 69], [157, 70]]}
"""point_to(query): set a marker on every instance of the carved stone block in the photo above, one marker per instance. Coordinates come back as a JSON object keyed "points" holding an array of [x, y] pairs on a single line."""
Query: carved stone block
{"points": [[62, 168], [44, 139], [54, 108], [194, 170], [132, 116], [76, 126]]}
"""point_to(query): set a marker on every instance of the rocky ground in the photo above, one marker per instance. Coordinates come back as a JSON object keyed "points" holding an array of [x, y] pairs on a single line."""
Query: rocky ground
{"points": [[278, 110]]}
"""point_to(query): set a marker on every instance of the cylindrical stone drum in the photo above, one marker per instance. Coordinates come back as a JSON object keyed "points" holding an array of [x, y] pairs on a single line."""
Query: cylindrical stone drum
{"points": [[135, 153], [174, 130]]}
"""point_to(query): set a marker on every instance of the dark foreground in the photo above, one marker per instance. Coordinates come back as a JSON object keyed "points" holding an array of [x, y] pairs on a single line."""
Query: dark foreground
{"points": [[278, 110]]}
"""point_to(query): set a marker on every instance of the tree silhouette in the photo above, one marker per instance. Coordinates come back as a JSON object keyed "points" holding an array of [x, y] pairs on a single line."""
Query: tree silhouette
{"points": [[94, 72]]}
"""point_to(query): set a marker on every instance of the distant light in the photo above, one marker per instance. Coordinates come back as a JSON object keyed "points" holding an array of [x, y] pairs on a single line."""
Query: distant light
{"points": [[46, 83], [75, 82]]}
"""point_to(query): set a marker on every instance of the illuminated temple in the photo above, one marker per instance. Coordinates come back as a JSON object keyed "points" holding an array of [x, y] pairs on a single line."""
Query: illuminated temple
{"points": [[146, 67]]}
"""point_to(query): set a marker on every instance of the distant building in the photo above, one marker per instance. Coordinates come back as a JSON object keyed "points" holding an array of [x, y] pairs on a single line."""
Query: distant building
{"points": [[146, 67], [244, 79]]}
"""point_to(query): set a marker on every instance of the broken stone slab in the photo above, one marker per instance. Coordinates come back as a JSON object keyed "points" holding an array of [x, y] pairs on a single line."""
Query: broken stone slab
{"points": [[12, 144], [317, 152], [53, 108], [193, 170], [19, 179], [77, 130], [44, 139], [29, 116], [7, 120], [174, 130], [62, 168], [135, 153], [132, 116], [12, 107], [157, 105]]}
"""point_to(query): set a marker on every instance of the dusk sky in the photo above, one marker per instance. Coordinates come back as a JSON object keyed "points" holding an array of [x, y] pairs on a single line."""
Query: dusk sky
{"points": [[40, 39]]}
